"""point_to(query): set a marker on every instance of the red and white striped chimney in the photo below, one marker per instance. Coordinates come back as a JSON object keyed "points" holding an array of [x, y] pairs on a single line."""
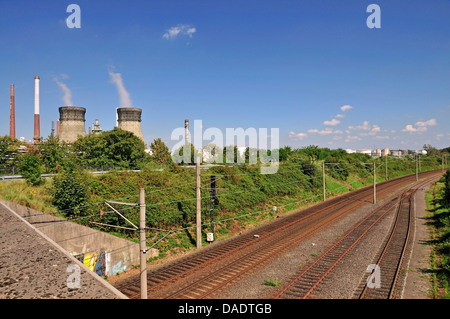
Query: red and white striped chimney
{"points": [[37, 130], [12, 116]]}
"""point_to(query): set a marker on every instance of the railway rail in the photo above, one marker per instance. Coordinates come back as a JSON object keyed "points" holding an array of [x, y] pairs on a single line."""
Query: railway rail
{"points": [[201, 274], [308, 282]]}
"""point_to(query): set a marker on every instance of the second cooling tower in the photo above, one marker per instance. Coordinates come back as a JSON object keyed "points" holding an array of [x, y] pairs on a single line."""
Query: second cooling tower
{"points": [[71, 123], [129, 119]]}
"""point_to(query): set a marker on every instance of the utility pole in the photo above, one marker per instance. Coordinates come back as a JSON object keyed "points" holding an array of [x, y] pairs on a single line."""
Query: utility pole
{"points": [[323, 180], [374, 185], [214, 201], [142, 244], [199, 210], [419, 162], [386, 167], [417, 171]]}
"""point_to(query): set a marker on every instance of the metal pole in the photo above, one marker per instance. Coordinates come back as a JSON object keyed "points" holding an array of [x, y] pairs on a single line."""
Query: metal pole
{"points": [[374, 185], [142, 243], [213, 197], [419, 164], [323, 180], [386, 168], [199, 216], [417, 171]]}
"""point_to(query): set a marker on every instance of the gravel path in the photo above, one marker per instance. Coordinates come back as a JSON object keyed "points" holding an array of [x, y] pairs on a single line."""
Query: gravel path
{"points": [[33, 267], [345, 278], [343, 281]]}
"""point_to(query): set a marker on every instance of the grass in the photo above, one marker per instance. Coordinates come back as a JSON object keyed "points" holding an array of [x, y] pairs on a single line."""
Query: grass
{"points": [[36, 197], [271, 282], [439, 222]]}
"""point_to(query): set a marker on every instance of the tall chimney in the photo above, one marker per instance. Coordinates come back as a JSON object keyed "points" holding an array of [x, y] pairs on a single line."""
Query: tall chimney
{"points": [[12, 118], [37, 130], [186, 131], [57, 128]]}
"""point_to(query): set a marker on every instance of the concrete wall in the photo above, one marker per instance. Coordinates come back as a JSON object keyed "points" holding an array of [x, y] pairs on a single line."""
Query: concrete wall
{"points": [[103, 253]]}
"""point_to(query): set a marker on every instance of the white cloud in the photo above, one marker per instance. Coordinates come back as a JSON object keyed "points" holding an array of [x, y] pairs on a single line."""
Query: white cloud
{"points": [[382, 137], [340, 116], [346, 108], [333, 122], [326, 131], [365, 126], [352, 138], [431, 122], [411, 129], [297, 136], [419, 126], [181, 29]]}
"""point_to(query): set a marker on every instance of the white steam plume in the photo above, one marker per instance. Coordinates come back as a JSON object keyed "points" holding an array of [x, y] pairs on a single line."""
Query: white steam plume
{"points": [[125, 100], [67, 97]]}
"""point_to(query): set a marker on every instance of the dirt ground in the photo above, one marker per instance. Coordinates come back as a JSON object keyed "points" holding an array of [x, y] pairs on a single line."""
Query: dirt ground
{"points": [[418, 281]]}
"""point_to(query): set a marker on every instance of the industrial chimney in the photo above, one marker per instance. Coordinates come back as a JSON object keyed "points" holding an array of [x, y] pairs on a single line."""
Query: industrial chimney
{"points": [[12, 117], [71, 123], [129, 119], [187, 137], [37, 130]]}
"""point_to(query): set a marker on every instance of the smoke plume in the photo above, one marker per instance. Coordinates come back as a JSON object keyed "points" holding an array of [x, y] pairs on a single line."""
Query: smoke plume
{"points": [[125, 100], [67, 97]]}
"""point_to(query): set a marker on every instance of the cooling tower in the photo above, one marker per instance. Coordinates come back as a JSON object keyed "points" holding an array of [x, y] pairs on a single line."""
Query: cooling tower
{"points": [[71, 123], [129, 119]]}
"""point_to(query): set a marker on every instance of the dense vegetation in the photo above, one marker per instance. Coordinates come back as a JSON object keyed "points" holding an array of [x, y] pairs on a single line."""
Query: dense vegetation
{"points": [[245, 196], [438, 201]]}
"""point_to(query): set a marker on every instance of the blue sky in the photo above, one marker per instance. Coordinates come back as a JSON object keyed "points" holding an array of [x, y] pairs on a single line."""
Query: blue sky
{"points": [[288, 64]]}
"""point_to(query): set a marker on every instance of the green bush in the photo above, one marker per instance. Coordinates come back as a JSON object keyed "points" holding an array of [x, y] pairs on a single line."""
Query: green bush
{"points": [[70, 191], [30, 168], [446, 198]]}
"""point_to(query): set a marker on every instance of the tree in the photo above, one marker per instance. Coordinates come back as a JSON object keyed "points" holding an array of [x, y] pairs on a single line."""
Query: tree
{"points": [[9, 151], [190, 157], [116, 147], [30, 168], [431, 150], [160, 152], [53, 152], [70, 190]]}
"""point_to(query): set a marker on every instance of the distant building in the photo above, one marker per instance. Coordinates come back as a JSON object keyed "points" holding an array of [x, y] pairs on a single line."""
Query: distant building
{"points": [[364, 151], [96, 128], [396, 153]]}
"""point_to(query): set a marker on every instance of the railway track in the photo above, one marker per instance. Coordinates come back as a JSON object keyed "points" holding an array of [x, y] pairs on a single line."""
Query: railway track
{"points": [[307, 284], [207, 271]]}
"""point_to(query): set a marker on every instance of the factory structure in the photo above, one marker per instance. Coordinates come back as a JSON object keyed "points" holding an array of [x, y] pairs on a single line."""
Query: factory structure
{"points": [[71, 122]]}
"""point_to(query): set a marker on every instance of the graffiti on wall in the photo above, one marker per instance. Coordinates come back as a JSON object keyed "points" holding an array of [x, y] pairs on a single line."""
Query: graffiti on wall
{"points": [[100, 263]]}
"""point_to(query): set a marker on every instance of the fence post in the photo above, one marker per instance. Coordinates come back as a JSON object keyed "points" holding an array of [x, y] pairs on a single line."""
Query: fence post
{"points": [[142, 244]]}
